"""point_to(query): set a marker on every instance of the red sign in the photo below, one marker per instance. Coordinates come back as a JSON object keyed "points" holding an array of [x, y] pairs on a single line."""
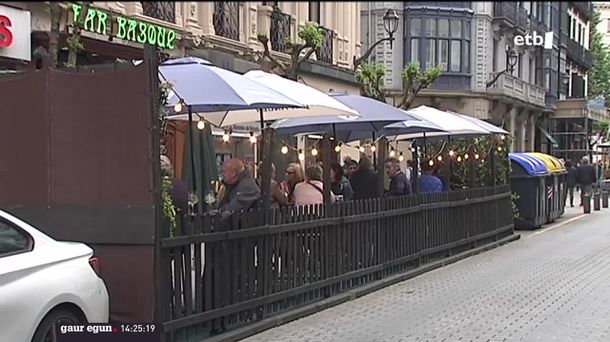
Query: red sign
{"points": [[6, 36]]}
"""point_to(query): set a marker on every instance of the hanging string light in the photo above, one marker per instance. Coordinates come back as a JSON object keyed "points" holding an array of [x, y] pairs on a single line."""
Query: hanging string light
{"points": [[401, 157], [373, 148], [439, 158], [476, 156], [499, 148], [252, 138], [361, 149], [392, 153], [226, 137], [451, 153], [301, 155], [284, 149], [502, 137], [466, 156], [314, 151], [412, 149], [200, 124], [178, 106], [338, 148], [459, 159], [431, 162]]}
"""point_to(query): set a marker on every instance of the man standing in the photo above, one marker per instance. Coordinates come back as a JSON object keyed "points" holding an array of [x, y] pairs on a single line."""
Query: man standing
{"points": [[364, 180], [570, 181], [399, 184], [241, 191], [429, 182], [585, 177]]}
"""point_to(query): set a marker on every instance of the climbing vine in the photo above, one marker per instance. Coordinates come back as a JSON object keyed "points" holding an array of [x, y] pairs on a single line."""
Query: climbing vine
{"points": [[514, 198], [169, 211]]}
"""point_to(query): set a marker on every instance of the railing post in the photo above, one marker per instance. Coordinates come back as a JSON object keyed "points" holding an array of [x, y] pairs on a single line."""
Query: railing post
{"points": [[596, 200], [604, 198], [266, 171]]}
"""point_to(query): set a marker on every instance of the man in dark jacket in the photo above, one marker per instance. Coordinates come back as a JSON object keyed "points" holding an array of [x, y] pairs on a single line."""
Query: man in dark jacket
{"points": [[364, 180], [399, 184], [241, 191], [570, 181], [585, 177]]}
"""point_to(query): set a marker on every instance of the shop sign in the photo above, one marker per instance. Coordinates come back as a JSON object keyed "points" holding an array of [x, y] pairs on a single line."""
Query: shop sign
{"points": [[15, 33], [120, 27]]}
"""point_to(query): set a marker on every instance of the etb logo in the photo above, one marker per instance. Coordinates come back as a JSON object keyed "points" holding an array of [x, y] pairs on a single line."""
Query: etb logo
{"points": [[534, 39]]}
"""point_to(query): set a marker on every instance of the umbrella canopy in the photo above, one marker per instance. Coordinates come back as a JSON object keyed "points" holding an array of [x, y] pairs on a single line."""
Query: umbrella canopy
{"points": [[451, 124], [216, 91], [483, 124], [374, 115]]}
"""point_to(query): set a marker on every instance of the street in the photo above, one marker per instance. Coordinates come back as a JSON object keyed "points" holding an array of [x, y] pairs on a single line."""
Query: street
{"points": [[551, 285]]}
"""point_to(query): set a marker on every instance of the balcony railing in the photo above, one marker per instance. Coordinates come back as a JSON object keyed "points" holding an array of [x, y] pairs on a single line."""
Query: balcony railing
{"points": [[325, 52], [162, 10], [583, 7], [506, 11], [519, 89], [588, 60], [280, 30], [226, 19]]}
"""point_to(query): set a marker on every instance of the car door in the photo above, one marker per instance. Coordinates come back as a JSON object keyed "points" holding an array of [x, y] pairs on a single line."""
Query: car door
{"points": [[16, 249]]}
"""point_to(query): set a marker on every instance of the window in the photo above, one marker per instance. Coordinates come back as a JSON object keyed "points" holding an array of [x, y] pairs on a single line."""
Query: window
{"points": [[577, 33], [415, 50], [314, 11], [416, 27], [442, 42], [456, 54], [443, 54], [13, 240], [431, 55]]}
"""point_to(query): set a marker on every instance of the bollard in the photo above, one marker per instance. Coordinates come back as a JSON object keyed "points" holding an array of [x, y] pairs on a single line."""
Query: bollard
{"points": [[586, 205], [596, 201], [605, 199]]}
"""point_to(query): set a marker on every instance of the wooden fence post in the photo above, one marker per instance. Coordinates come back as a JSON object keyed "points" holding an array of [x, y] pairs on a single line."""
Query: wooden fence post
{"points": [[326, 161], [383, 152], [266, 156]]}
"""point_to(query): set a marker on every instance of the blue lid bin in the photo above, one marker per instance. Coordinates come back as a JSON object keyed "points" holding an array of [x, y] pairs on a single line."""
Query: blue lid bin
{"points": [[528, 177]]}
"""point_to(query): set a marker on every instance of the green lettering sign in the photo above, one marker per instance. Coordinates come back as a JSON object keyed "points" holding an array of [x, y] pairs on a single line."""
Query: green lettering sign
{"points": [[127, 29]]}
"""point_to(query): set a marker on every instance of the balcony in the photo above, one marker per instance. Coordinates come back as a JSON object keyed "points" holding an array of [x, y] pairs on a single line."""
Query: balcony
{"points": [[162, 10], [506, 13], [577, 53], [515, 87], [280, 30], [226, 19], [588, 60], [580, 108], [325, 52]]}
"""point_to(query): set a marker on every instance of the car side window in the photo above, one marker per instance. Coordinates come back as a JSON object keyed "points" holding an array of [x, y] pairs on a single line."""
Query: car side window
{"points": [[13, 240]]}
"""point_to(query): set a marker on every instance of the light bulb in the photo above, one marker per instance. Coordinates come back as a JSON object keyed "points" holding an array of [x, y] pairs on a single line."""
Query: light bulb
{"points": [[338, 148], [401, 158], [373, 148], [459, 159], [466, 156], [502, 137], [392, 154], [178, 106], [200, 124], [476, 156], [284, 149], [413, 149], [252, 138], [451, 153], [301, 155], [314, 152], [439, 158], [361, 149], [431, 162], [499, 148], [226, 137]]}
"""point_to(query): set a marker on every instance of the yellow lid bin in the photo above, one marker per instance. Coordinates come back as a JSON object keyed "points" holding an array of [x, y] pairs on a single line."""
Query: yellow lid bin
{"points": [[553, 164]]}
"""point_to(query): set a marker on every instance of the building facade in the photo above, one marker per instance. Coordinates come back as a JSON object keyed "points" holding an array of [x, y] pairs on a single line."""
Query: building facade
{"points": [[604, 25], [471, 41]]}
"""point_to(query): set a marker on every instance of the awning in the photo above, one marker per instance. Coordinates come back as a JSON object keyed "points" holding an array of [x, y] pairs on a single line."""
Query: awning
{"points": [[548, 136]]}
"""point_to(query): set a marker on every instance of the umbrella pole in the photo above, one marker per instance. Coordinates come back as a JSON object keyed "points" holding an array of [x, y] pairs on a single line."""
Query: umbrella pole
{"points": [[192, 154], [450, 164], [262, 120], [204, 205], [415, 175], [374, 154]]}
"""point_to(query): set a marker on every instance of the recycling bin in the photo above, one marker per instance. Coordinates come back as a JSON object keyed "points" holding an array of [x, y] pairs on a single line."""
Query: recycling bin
{"points": [[555, 185], [528, 181]]}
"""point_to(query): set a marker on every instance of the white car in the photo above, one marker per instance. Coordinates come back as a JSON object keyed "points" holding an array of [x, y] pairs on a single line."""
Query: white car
{"points": [[44, 282]]}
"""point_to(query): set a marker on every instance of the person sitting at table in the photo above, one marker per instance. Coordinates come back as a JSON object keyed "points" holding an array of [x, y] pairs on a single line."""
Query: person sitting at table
{"points": [[241, 191]]}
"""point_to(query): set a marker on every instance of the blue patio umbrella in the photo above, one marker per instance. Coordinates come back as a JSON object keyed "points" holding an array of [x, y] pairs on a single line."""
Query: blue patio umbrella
{"points": [[206, 88], [374, 116]]}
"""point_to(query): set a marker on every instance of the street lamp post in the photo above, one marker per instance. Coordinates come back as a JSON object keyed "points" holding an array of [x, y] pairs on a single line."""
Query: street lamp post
{"points": [[390, 25], [512, 59]]}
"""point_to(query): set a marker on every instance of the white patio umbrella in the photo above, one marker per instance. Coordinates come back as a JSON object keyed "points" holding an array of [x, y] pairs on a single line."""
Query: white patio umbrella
{"points": [[315, 103], [451, 124]]}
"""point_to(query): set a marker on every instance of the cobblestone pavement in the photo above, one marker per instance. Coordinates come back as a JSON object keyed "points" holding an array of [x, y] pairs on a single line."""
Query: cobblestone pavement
{"points": [[551, 285]]}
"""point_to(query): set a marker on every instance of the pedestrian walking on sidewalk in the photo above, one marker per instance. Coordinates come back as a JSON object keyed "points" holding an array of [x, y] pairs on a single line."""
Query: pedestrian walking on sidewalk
{"points": [[585, 177], [570, 181]]}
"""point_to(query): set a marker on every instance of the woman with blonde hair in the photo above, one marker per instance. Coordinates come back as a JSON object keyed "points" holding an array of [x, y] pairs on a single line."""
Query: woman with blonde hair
{"points": [[294, 176], [311, 191]]}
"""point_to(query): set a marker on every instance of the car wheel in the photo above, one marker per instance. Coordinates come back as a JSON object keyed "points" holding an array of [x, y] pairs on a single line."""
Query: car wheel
{"points": [[48, 330]]}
